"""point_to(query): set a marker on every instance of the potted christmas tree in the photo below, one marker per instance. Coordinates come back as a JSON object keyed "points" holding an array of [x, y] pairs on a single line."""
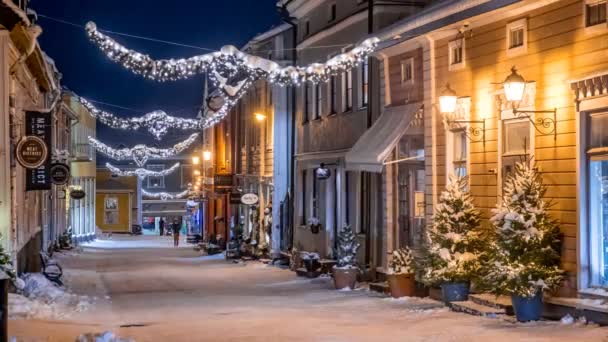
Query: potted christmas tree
{"points": [[401, 277], [524, 259], [346, 270], [455, 242]]}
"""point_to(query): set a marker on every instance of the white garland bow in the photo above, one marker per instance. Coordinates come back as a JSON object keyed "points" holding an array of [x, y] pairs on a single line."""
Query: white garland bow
{"points": [[142, 173]]}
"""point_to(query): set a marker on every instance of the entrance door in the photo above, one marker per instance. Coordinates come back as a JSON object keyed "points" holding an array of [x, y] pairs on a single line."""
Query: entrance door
{"points": [[411, 178]]}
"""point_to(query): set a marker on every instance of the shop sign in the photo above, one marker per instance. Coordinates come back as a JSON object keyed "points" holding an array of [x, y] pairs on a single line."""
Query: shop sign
{"points": [[60, 173], [249, 199], [323, 172], [38, 125], [235, 198], [223, 180], [31, 152], [77, 194]]}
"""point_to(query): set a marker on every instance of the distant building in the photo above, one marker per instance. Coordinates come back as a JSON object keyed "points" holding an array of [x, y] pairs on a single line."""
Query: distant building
{"points": [[116, 202]]}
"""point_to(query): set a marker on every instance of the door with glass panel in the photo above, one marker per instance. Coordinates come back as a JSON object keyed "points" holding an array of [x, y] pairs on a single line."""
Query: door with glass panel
{"points": [[411, 178]]}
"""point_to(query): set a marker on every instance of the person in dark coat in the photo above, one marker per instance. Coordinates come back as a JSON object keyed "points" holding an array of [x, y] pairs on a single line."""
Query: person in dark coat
{"points": [[176, 227], [161, 224]]}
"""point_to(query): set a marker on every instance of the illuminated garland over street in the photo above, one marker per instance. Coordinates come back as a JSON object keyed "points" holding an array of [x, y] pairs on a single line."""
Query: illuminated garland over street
{"points": [[165, 195], [141, 173], [226, 61], [141, 153], [157, 122]]}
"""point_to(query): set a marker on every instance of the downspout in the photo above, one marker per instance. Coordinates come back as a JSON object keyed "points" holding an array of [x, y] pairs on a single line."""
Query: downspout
{"points": [[284, 12]]}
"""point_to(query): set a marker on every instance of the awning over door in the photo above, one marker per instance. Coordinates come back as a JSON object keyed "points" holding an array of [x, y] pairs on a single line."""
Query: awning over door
{"points": [[376, 144]]}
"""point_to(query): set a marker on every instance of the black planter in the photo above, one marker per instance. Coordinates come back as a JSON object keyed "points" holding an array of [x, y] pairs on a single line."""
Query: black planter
{"points": [[315, 228], [311, 265]]}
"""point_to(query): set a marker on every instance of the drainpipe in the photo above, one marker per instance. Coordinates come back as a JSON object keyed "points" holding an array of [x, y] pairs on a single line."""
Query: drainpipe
{"points": [[285, 16]]}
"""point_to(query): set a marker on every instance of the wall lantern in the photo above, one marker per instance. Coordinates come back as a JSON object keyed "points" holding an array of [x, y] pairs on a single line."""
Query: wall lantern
{"points": [[514, 86], [475, 130], [196, 160], [206, 155], [260, 117]]}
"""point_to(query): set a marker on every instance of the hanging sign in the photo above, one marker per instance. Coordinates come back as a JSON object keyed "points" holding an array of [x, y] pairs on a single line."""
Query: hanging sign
{"points": [[31, 152], [77, 194], [249, 199], [235, 198], [38, 125], [60, 173]]}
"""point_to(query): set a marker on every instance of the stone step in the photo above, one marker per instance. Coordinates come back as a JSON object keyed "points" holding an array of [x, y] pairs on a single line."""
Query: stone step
{"points": [[490, 300], [381, 287], [302, 272], [475, 309]]}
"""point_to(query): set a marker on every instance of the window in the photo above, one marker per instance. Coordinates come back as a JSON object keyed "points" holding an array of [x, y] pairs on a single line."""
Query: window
{"points": [[110, 210], [595, 12], [456, 54], [517, 37], [333, 95], [303, 205], [318, 101], [308, 104], [516, 144], [315, 195], [351, 196], [364, 82], [332, 12], [347, 90], [407, 71], [459, 153], [156, 182], [186, 176]]}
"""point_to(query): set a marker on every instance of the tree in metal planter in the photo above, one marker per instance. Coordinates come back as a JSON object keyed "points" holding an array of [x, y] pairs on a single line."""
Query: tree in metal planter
{"points": [[345, 271], [524, 259], [455, 240]]}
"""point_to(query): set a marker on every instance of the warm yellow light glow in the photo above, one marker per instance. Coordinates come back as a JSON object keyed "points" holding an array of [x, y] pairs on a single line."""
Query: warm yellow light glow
{"points": [[447, 100], [514, 86], [206, 155], [260, 117], [196, 160], [197, 172]]}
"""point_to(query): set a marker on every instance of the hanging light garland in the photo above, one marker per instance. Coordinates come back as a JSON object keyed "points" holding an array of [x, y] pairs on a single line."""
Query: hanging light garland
{"points": [[228, 60], [157, 122], [165, 195], [141, 173], [141, 153]]}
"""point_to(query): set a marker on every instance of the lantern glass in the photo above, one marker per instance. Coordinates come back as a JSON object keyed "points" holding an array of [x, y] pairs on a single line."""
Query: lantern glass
{"points": [[447, 103], [206, 155], [196, 160], [260, 117], [514, 86]]}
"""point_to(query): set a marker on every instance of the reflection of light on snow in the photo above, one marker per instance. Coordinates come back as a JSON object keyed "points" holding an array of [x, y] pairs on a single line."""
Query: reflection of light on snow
{"points": [[128, 242]]}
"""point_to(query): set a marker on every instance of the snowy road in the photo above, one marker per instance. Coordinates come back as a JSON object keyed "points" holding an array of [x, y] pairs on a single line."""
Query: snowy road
{"points": [[149, 291]]}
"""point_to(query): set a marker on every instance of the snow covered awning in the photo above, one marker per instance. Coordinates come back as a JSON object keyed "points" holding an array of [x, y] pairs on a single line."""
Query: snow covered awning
{"points": [[376, 144]]}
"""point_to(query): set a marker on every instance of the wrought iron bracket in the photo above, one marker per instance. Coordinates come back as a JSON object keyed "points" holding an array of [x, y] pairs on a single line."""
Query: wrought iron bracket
{"points": [[474, 133], [545, 123]]}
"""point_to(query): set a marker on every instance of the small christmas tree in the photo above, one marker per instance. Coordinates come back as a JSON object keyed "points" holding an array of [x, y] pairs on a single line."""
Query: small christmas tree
{"points": [[6, 265], [402, 262], [525, 256], [347, 248], [454, 240]]}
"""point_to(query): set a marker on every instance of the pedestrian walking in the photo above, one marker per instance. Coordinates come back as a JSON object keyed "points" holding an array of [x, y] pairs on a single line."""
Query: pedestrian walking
{"points": [[161, 225], [176, 228]]}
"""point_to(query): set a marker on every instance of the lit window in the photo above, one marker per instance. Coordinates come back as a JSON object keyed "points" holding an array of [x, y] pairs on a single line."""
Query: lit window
{"points": [[595, 12], [459, 153], [364, 82], [516, 144], [407, 71], [156, 182]]}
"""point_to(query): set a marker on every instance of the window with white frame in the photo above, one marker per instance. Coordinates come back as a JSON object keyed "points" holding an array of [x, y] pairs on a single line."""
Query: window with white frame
{"points": [[407, 71], [456, 54], [364, 96], [595, 12], [156, 182], [517, 37], [516, 144], [457, 153], [318, 96]]}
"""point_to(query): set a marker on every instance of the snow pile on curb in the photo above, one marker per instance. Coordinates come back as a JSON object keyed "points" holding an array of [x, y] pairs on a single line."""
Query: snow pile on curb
{"points": [[103, 337], [41, 298]]}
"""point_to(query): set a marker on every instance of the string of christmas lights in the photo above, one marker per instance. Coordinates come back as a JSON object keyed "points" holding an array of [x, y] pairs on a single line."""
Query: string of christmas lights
{"points": [[157, 122], [141, 153], [165, 195], [226, 61], [140, 172]]}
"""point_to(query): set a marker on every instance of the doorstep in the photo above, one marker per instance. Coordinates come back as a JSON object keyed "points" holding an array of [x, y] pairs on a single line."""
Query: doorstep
{"points": [[381, 287], [472, 308], [594, 310]]}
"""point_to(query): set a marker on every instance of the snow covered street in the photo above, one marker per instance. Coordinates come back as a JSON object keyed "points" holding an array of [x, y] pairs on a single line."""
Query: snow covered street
{"points": [[148, 291]]}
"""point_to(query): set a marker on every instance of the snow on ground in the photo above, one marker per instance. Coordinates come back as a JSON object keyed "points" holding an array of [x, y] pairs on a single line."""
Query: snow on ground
{"points": [[166, 294]]}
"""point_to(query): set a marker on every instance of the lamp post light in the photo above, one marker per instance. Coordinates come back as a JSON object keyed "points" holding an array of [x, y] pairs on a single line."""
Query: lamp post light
{"points": [[514, 87], [448, 103], [260, 117]]}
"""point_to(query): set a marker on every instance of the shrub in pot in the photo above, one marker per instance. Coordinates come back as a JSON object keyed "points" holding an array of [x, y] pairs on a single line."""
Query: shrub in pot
{"points": [[310, 261], [524, 258], [455, 242], [401, 276], [314, 224], [346, 270]]}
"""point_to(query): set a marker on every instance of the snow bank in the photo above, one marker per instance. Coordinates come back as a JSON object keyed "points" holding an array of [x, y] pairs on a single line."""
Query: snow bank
{"points": [[107, 336], [41, 298]]}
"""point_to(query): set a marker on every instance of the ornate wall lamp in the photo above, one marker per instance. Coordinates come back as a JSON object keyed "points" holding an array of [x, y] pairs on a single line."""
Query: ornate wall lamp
{"points": [[514, 87], [475, 130]]}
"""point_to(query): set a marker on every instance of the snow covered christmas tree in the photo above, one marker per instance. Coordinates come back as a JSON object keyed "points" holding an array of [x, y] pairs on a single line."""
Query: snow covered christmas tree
{"points": [[455, 239], [347, 248], [525, 256]]}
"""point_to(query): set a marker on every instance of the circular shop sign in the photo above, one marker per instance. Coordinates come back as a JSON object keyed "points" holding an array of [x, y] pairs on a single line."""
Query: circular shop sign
{"points": [[60, 173], [77, 194], [249, 199], [31, 152]]}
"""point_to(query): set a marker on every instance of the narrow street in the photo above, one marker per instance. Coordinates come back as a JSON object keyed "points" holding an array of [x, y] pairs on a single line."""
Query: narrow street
{"points": [[148, 291]]}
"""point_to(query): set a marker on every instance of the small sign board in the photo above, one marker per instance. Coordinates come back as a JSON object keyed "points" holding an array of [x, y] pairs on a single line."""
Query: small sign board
{"points": [[60, 173], [249, 199], [235, 198], [223, 180], [31, 152], [77, 194]]}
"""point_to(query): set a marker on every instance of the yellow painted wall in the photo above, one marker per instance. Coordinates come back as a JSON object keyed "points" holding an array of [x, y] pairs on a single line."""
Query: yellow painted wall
{"points": [[124, 209]]}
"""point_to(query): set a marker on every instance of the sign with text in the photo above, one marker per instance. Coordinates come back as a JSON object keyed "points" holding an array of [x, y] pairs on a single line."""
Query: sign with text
{"points": [[39, 125], [250, 199], [222, 180], [60, 173]]}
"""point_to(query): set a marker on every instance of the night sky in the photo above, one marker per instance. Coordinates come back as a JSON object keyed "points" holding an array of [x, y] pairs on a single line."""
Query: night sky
{"points": [[89, 73]]}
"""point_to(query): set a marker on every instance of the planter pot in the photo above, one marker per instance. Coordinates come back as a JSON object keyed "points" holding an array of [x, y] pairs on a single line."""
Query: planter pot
{"points": [[402, 285], [528, 308], [311, 265], [315, 228], [345, 277], [455, 292]]}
